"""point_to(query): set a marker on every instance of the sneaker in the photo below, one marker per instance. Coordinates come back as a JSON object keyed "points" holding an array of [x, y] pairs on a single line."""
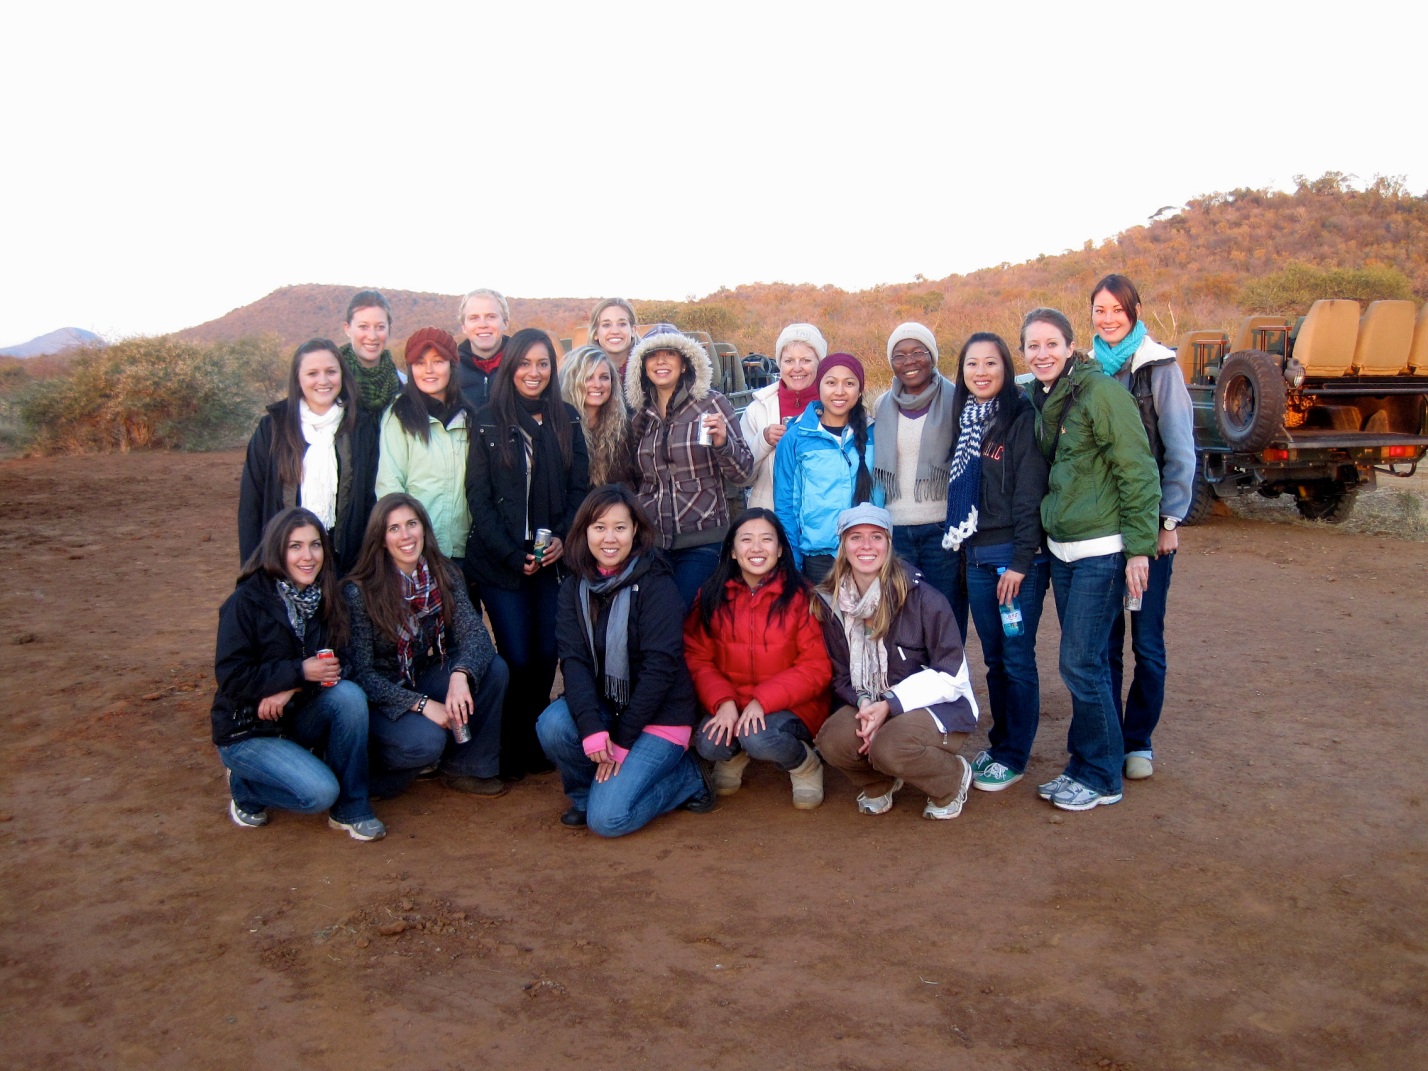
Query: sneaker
{"points": [[953, 807], [1138, 767], [729, 774], [362, 829], [427, 773], [1074, 796], [246, 819], [808, 782], [476, 786], [704, 800], [994, 776], [981, 762], [878, 804], [1050, 789]]}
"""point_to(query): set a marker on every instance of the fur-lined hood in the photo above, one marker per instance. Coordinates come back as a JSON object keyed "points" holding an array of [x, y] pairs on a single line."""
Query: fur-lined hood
{"points": [[692, 352]]}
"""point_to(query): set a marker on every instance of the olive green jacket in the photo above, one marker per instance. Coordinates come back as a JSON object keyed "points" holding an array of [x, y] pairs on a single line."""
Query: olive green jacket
{"points": [[1103, 479]]}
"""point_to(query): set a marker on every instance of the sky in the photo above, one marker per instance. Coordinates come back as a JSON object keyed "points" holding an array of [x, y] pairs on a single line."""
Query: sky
{"points": [[162, 164]]}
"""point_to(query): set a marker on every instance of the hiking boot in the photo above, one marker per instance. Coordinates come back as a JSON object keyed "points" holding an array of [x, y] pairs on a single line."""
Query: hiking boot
{"points": [[994, 776], [878, 804], [573, 817], [362, 829], [1138, 767], [246, 819], [476, 786], [729, 774], [952, 806], [1050, 789], [807, 782], [1074, 796]]}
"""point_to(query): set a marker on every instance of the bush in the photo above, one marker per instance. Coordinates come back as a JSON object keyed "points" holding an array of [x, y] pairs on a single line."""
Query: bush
{"points": [[1291, 291], [154, 393]]}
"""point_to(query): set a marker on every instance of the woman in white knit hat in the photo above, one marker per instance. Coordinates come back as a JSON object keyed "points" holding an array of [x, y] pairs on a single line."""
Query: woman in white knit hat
{"points": [[799, 349]]}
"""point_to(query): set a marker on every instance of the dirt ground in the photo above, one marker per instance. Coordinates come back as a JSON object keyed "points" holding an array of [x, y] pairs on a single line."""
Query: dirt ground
{"points": [[1259, 903]]}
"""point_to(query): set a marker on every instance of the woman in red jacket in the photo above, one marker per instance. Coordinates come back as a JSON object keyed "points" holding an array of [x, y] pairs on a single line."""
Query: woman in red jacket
{"points": [[759, 662]]}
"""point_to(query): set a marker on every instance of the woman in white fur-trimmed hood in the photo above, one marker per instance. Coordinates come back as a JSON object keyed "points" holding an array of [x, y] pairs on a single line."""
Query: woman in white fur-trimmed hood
{"points": [[680, 483]]}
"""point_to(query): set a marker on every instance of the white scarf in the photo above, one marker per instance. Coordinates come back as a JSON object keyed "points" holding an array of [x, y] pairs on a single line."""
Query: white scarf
{"points": [[867, 658], [319, 463]]}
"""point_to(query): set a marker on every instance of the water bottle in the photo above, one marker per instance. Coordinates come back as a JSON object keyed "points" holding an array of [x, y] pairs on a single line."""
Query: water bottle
{"points": [[1011, 615]]}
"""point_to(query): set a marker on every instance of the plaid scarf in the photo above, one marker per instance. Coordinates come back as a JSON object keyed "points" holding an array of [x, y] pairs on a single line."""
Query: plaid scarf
{"points": [[423, 600], [964, 485], [376, 387], [300, 605]]}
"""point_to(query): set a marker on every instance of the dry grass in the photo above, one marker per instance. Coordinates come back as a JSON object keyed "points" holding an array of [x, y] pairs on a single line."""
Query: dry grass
{"points": [[1396, 507]]}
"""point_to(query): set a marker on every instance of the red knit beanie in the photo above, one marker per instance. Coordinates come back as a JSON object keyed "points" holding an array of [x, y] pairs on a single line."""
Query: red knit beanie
{"points": [[430, 338], [847, 360]]}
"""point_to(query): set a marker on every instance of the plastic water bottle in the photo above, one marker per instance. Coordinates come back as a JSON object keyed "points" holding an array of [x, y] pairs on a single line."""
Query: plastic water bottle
{"points": [[1011, 615]]}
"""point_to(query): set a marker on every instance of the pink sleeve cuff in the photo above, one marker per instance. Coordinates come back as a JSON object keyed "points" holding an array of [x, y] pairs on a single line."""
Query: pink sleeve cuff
{"points": [[596, 742], [619, 752]]}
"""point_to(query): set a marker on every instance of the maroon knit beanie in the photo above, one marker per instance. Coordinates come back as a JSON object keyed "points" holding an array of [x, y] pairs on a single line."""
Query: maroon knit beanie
{"points": [[430, 338], [847, 360]]}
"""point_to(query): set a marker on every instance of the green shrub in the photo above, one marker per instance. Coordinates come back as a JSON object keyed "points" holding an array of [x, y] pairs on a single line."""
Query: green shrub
{"points": [[1292, 290]]}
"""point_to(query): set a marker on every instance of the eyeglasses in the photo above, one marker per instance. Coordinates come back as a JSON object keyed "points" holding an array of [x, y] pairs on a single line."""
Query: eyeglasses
{"points": [[911, 357]]}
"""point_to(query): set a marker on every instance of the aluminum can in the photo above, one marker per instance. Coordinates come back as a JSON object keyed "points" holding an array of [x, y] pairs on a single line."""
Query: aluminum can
{"points": [[1133, 602], [327, 652], [542, 542], [705, 439], [461, 733]]}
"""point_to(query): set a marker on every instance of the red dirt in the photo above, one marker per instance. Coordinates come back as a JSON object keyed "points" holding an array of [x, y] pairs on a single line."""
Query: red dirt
{"points": [[1258, 903]]}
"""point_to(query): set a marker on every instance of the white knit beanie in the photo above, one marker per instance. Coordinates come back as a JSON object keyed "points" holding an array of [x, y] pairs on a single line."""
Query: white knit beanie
{"points": [[801, 333], [912, 330]]}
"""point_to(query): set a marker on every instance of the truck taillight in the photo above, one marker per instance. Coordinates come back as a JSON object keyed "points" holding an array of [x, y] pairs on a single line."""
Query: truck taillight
{"points": [[1275, 455], [1399, 451]]}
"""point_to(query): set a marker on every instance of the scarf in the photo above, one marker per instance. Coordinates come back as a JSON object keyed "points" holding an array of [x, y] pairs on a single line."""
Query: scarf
{"points": [[933, 450], [487, 364], [376, 387], [616, 681], [319, 463], [867, 659], [441, 409], [545, 497], [423, 600], [964, 485], [1113, 358], [792, 403], [300, 605]]}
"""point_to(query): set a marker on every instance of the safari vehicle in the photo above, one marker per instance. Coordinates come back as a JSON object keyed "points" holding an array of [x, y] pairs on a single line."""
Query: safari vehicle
{"points": [[733, 377], [1315, 409]]}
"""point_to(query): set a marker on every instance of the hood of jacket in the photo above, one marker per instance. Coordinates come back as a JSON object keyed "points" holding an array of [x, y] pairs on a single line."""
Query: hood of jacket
{"points": [[686, 347], [1150, 352]]}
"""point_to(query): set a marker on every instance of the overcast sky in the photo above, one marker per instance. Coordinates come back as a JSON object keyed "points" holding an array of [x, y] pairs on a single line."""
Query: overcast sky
{"points": [[165, 163]]}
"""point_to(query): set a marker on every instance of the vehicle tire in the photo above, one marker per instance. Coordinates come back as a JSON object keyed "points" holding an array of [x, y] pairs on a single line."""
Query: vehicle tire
{"points": [[1331, 507], [1202, 501], [1250, 397]]}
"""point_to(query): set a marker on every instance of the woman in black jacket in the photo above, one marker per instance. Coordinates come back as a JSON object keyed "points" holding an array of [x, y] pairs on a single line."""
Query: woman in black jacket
{"points": [[527, 471], [620, 735], [280, 697], [316, 449]]}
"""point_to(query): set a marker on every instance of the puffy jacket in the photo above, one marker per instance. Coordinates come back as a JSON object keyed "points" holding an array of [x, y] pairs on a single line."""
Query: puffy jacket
{"points": [[680, 483], [1012, 487], [1103, 480], [761, 411], [1174, 421], [782, 663], [433, 472], [815, 474]]}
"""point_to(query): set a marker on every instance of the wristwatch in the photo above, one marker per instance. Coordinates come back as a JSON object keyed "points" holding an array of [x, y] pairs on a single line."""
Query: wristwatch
{"points": [[1168, 523]]}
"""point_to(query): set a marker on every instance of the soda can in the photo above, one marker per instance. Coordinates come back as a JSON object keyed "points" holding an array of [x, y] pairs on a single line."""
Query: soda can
{"points": [[461, 733], [327, 652], [705, 438], [1132, 602], [542, 542]]}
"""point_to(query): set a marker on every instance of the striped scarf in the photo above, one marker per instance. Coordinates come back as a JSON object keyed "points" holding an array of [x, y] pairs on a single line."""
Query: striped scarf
{"points": [[964, 483]]}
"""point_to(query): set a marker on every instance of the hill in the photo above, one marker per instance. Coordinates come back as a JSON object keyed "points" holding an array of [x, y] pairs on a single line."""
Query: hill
{"points": [[66, 338]]}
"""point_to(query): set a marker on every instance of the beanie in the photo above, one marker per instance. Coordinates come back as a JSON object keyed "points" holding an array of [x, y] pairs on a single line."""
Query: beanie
{"points": [[916, 331], [847, 360], [430, 338], [801, 333]]}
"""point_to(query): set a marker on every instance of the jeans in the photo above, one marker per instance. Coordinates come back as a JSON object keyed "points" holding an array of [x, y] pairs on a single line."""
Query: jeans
{"points": [[523, 623], [1013, 684], [269, 771], [692, 566], [1147, 691], [909, 746], [656, 776], [1088, 597], [780, 742], [404, 746], [920, 545]]}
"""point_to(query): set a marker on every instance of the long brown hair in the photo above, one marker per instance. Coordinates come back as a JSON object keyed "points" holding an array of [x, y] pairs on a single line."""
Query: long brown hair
{"points": [[289, 446], [270, 558], [894, 580], [378, 578]]}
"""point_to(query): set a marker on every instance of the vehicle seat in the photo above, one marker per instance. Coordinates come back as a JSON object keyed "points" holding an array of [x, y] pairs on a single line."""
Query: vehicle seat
{"points": [[1244, 336], [1325, 344], [1418, 354], [1211, 341], [1385, 337]]}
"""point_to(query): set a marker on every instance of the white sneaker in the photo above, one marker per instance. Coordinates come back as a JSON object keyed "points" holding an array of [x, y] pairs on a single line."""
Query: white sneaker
{"points": [[953, 807], [729, 774], [878, 804]]}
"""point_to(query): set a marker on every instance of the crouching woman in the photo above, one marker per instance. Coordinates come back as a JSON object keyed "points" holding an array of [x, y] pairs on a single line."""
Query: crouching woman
{"points": [[279, 700], [898, 671], [620, 734]]}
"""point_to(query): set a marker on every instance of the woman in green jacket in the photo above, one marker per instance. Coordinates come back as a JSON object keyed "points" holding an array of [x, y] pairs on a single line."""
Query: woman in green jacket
{"points": [[1100, 516]]}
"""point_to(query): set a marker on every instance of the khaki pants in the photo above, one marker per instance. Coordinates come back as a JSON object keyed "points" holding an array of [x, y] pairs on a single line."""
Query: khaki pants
{"points": [[909, 746]]}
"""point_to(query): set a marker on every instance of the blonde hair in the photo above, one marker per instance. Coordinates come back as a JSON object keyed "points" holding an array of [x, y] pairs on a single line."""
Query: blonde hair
{"points": [[604, 438], [494, 295], [610, 303], [894, 580]]}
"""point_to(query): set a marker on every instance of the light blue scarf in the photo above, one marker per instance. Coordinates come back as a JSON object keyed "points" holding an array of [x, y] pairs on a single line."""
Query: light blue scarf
{"points": [[1113, 358]]}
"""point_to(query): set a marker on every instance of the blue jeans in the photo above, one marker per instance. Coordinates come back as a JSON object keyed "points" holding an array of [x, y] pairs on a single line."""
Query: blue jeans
{"points": [[781, 742], [1088, 597], [1013, 684], [1147, 691], [403, 746], [270, 771], [692, 566], [523, 624], [656, 776], [920, 545]]}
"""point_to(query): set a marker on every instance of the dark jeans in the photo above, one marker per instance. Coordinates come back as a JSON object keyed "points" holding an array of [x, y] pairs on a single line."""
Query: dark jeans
{"points": [[269, 771], [1142, 708], [1013, 684], [1088, 596], [920, 545], [523, 623], [692, 566], [404, 746], [781, 741]]}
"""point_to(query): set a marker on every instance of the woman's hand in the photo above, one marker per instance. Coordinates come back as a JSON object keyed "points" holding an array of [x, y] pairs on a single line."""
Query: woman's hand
{"points": [[1167, 543], [1137, 575], [751, 720], [532, 566], [1008, 586], [606, 766], [774, 432], [718, 430], [553, 552], [271, 707], [435, 712], [720, 729], [870, 720], [321, 670], [458, 704]]}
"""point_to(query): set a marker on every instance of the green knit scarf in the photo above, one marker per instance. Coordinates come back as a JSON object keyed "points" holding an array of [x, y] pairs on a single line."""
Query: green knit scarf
{"points": [[376, 387]]}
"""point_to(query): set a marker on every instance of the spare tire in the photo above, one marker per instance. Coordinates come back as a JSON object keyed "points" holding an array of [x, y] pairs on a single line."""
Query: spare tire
{"points": [[1250, 396]]}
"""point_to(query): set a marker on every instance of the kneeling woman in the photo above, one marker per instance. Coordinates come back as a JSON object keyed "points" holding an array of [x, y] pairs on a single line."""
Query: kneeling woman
{"points": [[620, 735], [898, 671], [422, 655], [278, 699], [759, 662]]}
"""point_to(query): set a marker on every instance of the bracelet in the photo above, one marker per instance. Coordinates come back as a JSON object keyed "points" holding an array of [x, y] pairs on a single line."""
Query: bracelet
{"points": [[420, 707]]}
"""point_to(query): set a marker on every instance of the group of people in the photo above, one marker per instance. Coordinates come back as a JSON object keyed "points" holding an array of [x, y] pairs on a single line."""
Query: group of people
{"points": [[590, 505]]}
